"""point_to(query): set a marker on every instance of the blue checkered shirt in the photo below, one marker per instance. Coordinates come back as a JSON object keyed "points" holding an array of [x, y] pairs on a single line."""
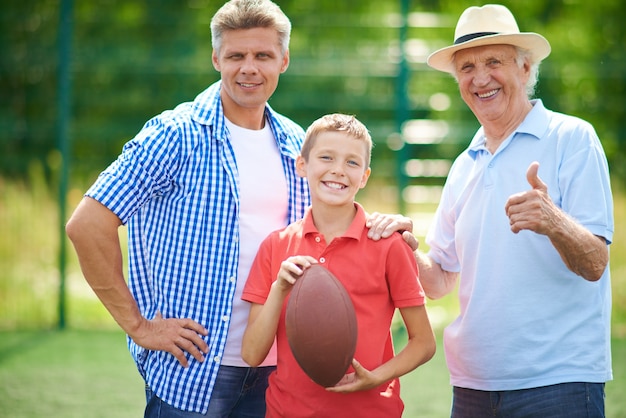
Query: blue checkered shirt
{"points": [[176, 187]]}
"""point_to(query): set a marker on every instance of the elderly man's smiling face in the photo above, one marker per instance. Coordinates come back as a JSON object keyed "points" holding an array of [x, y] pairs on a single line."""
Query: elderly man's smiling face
{"points": [[492, 83]]}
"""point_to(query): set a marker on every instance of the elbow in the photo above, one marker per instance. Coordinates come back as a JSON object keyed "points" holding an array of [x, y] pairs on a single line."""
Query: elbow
{"points": [[595, 274], [431, 349], [250, 356], [434, 294], [72, 229], [596, 268], [442, 286]]}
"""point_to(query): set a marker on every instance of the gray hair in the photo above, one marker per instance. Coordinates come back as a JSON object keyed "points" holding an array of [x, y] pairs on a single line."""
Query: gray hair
{"points": [[250, 14], [524, 55]]}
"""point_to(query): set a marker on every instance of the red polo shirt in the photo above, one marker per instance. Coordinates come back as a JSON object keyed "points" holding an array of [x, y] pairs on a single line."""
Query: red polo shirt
{"points": [[380, 276]]}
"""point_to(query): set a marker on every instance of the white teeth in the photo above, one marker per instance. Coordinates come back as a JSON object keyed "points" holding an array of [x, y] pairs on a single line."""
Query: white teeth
{"points": [[334, 185], [247, 85], [488, 94]]}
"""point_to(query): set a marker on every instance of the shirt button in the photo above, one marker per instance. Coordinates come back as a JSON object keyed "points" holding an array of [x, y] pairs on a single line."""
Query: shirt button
{"points": [[216, 359], [225, 318], [317, 239], [322, 260], [232, 280]]}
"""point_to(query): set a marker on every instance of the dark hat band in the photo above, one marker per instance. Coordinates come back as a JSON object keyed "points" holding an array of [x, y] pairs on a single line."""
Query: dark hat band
{"points": [[471, 36]]}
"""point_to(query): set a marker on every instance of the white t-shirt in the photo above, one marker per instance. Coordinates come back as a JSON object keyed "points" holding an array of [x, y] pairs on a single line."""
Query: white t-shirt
{"points": [[263, 205]]}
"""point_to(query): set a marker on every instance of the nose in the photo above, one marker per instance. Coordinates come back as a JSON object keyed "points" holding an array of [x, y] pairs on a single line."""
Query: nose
{"points": [[482, 76], [248, 66], [337, 168]]}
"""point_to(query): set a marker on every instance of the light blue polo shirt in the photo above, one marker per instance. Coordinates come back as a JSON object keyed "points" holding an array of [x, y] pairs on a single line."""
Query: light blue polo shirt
{"points": [[525, 319]]}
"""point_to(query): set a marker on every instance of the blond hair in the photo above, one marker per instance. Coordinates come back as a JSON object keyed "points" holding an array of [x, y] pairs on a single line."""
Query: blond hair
{"points": [[337, 122], [250, 14]]}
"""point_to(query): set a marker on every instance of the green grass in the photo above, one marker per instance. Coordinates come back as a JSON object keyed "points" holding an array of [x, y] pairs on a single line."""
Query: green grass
{"points": [[66, 374], [86, 371]]}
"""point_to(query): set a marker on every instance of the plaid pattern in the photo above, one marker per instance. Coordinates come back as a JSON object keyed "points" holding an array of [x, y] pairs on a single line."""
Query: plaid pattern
{"points": [[176, 187]]}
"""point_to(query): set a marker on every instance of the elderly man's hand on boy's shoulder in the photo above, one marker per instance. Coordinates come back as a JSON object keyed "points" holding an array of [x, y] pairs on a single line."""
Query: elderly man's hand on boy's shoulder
{"points": [[384, 225]]}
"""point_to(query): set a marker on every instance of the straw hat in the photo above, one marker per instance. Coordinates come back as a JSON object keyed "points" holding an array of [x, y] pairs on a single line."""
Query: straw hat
{"points": [[488, 25]]}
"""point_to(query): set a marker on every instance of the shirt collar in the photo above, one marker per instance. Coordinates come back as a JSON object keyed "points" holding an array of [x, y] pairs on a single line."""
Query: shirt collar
{"points": [[354, 231], [535, 124], [207, 110]]}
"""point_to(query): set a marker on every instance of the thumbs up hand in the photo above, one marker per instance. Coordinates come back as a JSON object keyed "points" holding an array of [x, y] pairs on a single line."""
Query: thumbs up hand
{"points": [[533, 209]]}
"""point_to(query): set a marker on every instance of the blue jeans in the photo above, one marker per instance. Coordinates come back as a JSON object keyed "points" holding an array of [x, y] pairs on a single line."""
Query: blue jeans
{"points": [[239, 392], [565, 400]]}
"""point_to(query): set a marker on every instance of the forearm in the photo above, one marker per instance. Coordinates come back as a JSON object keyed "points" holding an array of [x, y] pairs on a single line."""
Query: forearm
{"points": [[582, 252], [435, 281], [105, 276], [93, 230], [261, 330], [419, 349]]}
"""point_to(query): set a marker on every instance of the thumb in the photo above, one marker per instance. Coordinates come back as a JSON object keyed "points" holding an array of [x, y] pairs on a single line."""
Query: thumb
{"points": [[410, 239], [533, 178]]}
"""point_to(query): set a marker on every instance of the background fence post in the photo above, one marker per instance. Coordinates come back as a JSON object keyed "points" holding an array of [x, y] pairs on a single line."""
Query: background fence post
{"points": [[64, 102]]}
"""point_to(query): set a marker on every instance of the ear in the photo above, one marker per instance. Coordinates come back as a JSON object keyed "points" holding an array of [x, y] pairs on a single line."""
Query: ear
{"points": [[285, 63], [366, 176], [526, 70], [301, 166], [216, 61]]}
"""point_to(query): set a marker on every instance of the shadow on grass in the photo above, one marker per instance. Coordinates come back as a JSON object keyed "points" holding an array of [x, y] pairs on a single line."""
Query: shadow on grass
{"points": [[73, 373], [13, 344]]}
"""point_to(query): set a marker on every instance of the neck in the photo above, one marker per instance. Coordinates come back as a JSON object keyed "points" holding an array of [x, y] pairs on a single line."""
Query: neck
{"points": [[333, 221], [497, 131], [246, 117]]}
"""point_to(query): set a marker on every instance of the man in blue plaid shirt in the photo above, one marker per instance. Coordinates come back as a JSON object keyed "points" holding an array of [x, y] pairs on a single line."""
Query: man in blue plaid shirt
{"points": [[199, 187]]}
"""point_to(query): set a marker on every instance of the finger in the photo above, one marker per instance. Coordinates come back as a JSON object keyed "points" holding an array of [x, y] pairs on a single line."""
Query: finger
{"points": [[372, 219], [396, 223], [410, 239], [533, 177], [377, 227], [298, 263], [305, 261], [190, 343], [179, 355], [194, 326], [291, 270], [189, 336], [194, 335]]}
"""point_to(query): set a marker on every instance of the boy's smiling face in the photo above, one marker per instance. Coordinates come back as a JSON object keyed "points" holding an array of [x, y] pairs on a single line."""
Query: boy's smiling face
{"points": [[336, 169]]}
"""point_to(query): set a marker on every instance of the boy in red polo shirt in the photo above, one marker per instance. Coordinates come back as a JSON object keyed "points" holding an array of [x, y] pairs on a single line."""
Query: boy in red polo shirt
{"points": [[380, 276]]}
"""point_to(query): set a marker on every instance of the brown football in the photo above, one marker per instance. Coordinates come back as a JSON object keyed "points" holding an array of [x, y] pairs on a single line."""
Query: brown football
{"points": [[321, 326]]}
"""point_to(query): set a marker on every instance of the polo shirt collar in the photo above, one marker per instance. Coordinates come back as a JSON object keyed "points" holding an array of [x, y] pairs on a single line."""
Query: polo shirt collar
{"points": [[534, 124], [354, 231]]}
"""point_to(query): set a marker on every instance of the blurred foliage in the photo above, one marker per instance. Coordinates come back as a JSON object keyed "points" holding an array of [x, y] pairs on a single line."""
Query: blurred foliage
{"points": [[133, 59]]}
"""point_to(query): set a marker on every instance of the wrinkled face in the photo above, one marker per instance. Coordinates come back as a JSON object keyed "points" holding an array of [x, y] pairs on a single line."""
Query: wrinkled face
{"points": [[250, 62], [491, 82], [336, 168]]}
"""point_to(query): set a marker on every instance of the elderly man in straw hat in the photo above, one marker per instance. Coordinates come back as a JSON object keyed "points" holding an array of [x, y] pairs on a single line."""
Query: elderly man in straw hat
{"points": [[523, 225]]}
